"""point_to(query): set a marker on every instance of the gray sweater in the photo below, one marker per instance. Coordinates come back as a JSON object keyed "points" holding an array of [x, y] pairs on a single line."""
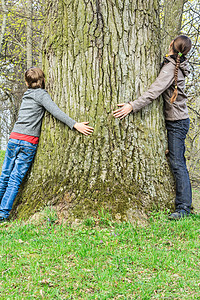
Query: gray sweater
{"points": [[34, 104]]}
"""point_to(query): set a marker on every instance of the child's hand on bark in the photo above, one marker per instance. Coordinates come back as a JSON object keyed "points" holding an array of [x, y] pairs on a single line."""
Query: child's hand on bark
{"points": [[123, 111], [84, 128]]}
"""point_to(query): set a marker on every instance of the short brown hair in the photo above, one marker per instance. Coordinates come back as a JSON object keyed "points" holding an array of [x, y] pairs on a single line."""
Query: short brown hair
{"points": [[34, 76]]}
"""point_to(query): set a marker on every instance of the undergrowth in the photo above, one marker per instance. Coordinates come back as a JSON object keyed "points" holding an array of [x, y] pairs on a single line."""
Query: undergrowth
{"points": [[101, 259]]}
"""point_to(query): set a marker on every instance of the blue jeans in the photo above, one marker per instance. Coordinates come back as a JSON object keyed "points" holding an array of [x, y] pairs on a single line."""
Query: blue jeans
{"points": [[176, 132], [18, 158]]}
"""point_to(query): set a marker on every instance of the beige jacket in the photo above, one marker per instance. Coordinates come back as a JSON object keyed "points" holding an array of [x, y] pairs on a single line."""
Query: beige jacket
{"points": [[164, 84]]}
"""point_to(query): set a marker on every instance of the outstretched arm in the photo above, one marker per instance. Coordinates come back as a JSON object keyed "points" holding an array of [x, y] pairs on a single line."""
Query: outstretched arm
{"points": [[162, 82], [52, 107]]}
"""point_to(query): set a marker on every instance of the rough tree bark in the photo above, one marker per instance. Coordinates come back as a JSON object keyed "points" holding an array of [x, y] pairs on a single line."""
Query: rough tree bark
{"points": [[98, 54]]}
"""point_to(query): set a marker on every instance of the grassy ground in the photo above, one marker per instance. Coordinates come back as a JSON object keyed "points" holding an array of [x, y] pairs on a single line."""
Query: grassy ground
{"points": [[99, 259], [2, 154]]}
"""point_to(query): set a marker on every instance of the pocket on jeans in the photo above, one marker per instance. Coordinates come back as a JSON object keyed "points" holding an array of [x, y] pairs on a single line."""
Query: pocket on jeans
{"points": [[10, 151], [29, 151], [27, 154]]}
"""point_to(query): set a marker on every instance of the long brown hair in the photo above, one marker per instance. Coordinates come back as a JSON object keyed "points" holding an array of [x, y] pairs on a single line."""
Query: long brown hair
{"points": [[35, 78], [181, 46]]}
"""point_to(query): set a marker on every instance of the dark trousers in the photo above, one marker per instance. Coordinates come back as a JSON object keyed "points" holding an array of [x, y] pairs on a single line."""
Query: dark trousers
{"points": [[176, 132]]}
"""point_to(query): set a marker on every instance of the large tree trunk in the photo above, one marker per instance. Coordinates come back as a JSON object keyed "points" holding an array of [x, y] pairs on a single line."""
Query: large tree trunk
{"points": [[98, 54]]}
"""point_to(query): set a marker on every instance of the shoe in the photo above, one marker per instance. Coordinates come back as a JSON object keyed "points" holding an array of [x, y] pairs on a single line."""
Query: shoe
{"points": [[2, 219], [179, 214]]}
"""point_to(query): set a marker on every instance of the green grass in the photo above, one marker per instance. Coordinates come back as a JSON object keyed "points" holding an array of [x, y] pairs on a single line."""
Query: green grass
{"points": [[99, 259], [2, 154]]}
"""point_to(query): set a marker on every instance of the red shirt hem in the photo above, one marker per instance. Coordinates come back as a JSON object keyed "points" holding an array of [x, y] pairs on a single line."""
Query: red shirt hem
{"points": [[24, 137]]}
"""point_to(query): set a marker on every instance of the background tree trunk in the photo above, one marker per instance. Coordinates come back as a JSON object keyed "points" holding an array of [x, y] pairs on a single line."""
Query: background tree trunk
{"points": [[171, 25], [3, 25], [98, 54], [29, 34]]}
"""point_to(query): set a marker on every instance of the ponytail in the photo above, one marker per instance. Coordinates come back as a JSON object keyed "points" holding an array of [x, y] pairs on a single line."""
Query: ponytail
{"points": [[181, 46], [175, 93]]}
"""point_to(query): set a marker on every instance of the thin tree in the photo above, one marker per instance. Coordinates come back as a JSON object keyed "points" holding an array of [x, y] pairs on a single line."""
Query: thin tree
{"points": [[29, 34], [3, 26]]}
